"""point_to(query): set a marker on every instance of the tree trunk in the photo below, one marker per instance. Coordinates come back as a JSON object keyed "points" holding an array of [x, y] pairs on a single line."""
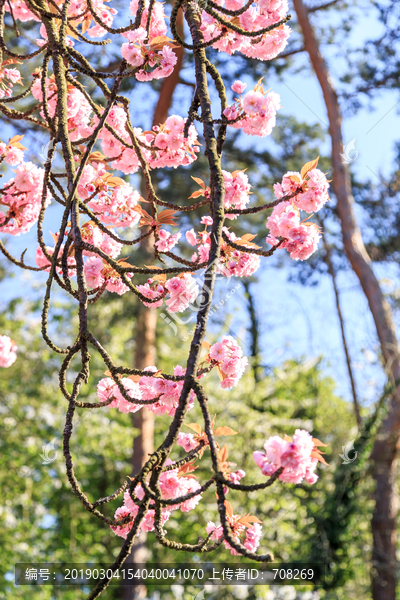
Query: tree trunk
{"points": [[145, 337], [386, 447], [143, 421]]}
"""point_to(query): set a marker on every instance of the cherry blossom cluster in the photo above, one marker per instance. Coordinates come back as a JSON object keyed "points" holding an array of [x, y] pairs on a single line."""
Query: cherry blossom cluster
{"points": [[8, 351], [22, 198], [226, 356], [297, 457], [182, 290], [243, 528], [166, 240], [237, 191], [78, 12], [255, 111], [8, 78], [117, 207], [229, 359], [310, 189], [173, 484], [96, 237], [164, 392], [155, 54], [98, 273], [232, 262], [259, 15], [13, 152], [158, 23], [164, 146], [43, 262], [79, 109]]}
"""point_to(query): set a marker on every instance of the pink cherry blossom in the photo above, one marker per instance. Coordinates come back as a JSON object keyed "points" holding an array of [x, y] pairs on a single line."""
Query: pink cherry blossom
{"points": [[167, 241], [238, 86], [303, 241], [191, 237], [230, 359], [253, 537], [14, 155], [132, 54], [216, 530], [253, 102], [236, 476], [151, 290], [93, 272], [297, 457], [42, 261], [23, 199], [284, 217], [237, 189], [257, 111], [316, 194], [8, 351], [183, 290], [107, 388], [187, 441]]}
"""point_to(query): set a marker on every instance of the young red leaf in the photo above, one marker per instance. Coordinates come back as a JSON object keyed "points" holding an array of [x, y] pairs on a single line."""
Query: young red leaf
{"points": [[18, 145], [295, 178], [123, 263], [15, 138], [220, 373], [199, 181], [166, 217], [223, 453], [134, 378], [225, 431], [309, 166], [195, 427], [114, 181], [55, 238], [318, 442], [12, 61], [86, 24], [253, 519], [196, 194], [229, 510], [317, 455]]}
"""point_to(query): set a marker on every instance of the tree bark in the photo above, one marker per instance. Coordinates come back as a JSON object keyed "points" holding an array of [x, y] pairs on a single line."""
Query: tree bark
{"points": [[145, 336], [386, 446], [143, 421]]}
